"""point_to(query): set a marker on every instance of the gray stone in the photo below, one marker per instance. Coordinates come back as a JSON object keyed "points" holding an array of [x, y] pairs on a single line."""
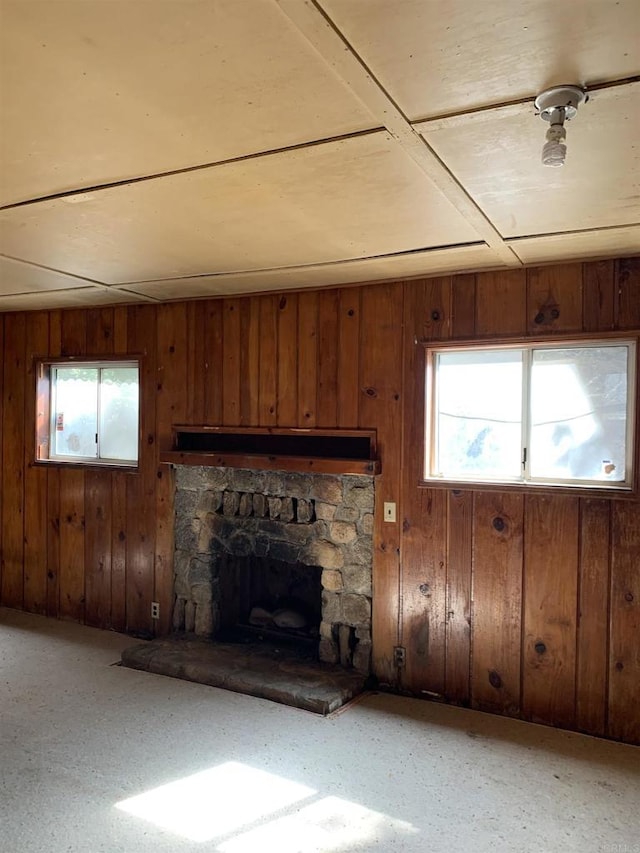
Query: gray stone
{"points": [[261, 546], [274, 483], [367, 524], [190, 477], [199, 570], [208, 502], [342, 532], [201, 593], [208, 528], [325, 512], [287, 512], [275, 505], [326, 488], [332, 580], [230, 503], [260, 505], [326, 630], [186, 533], [324, 554], [357, 579], [217, 479], [186, 502], [240, 545], [304, 511], [189, 616], [203, 621], [347, 513], [360, 552], [285, 551], [246, 480], [345, 637], [246, 504], [356, 609], [328, 650], [362, 658], [331, 606], [181, 562], [178, 615], [358, 493]]}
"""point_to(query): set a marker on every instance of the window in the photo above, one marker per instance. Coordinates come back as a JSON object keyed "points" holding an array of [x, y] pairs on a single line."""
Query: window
{"points": [[88, 412], [539, 414]]}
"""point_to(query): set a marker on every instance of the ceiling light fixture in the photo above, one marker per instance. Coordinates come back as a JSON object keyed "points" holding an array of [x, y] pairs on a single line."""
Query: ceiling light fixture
{"points": [[557, 105]]}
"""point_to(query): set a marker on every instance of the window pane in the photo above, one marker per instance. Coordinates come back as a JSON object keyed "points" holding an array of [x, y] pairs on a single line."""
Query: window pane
{"points": [[119, 413], [76, 412], [578, 413], [478, 414]]}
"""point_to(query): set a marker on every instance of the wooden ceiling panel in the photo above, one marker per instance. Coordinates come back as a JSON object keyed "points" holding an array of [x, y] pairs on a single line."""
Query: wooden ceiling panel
{"points": [[496, 155], [434, 262], [19, 277], [355, 198], [96, 92], [83, 297], [443, 56], [612, 242]]}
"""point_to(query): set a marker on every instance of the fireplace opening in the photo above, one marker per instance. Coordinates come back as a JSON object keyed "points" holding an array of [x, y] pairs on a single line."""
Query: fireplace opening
{"points": [[270, 600]]}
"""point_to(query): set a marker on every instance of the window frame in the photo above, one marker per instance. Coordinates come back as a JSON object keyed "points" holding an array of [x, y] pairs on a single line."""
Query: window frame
{"points": [[630, 489], [44, 370]]}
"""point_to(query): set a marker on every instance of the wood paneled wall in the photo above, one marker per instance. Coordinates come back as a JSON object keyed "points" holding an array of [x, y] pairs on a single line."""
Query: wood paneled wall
{"points": [[473, 605]]}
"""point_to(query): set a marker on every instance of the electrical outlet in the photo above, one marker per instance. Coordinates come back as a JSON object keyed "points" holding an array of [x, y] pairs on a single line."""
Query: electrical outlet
{"points": [[389, 512], [155, 610]]}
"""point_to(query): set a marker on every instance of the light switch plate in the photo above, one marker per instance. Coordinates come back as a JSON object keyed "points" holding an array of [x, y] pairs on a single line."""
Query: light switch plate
{"points": [[389, 511]]}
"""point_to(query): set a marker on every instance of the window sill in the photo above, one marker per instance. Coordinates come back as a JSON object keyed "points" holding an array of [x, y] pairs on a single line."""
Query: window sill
{"points": [[85, 466], [593, 492]]}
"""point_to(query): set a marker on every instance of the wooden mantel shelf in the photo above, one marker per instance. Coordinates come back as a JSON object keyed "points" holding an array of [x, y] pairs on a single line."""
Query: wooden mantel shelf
{"points": [[320, 451]]}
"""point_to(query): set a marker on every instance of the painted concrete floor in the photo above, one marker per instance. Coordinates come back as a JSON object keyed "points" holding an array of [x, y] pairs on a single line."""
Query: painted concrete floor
{"points": [[96, 757]]}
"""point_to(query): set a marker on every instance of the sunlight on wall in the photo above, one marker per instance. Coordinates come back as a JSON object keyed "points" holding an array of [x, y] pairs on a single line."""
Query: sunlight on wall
{"points": [[250, 810]]}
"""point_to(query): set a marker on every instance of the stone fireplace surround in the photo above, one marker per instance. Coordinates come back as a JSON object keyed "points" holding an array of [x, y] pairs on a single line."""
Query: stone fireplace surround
{"points": [[315, 519]]}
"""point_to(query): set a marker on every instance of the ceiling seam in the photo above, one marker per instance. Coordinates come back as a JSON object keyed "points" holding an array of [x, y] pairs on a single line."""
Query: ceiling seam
{"points": [[316, 26]]}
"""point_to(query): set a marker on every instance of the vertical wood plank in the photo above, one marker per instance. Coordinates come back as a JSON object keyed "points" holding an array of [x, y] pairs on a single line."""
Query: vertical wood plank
{"points": [[307, 359], [463, 306], [458, 603], [380, 405], [593, 608], [424, 511], [97, 511], [171, 406], [119, 503], [72, 495], [212, 380], [2, 408], [53, 494], [231, 361], [72, 569], [554, 299], [268, 368], [501, 303], [141, 486], [497, 601], [249, 361], [287, 405], [12, 592], [328, 307], [196, 322], [551, 544], [598, 295], [624, 661], [35, 479], [349, 308], [628, 293]]}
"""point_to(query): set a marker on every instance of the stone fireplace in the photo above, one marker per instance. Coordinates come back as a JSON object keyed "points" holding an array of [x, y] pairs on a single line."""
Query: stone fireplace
{"points": [[284, 554]]}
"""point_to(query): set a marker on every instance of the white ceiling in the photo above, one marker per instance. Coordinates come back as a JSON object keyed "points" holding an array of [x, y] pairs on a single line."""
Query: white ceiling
{"points": [[179, 149]]}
